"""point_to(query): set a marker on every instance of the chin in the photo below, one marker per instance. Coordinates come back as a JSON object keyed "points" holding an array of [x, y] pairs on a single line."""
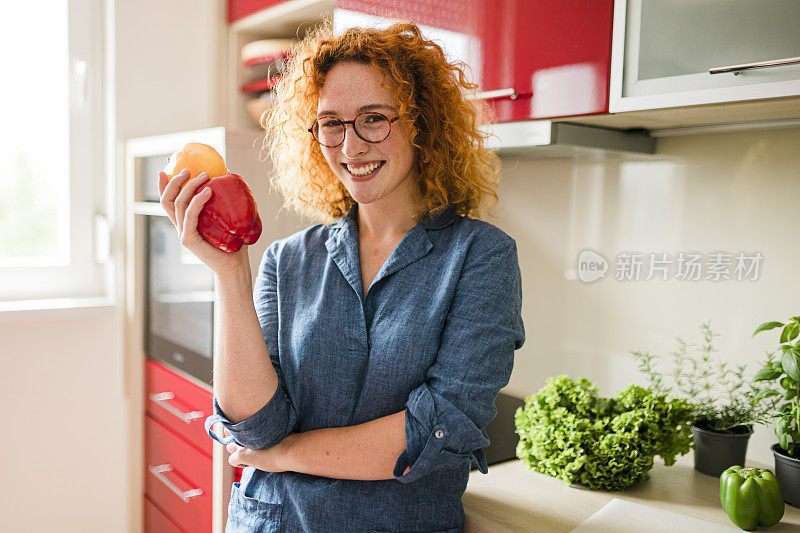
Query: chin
{"points": [[360, 194], [363, 199]]}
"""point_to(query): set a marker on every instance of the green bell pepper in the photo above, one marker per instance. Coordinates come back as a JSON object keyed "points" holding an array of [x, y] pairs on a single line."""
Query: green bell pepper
{"points": [[751, 497]]}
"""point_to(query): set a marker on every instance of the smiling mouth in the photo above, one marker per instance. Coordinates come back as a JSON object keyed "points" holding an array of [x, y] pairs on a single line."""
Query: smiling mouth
{"points": [[363, 171]]}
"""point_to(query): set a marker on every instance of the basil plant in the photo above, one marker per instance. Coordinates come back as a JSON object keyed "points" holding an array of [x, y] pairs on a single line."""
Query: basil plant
{"points": [[786, 372]]}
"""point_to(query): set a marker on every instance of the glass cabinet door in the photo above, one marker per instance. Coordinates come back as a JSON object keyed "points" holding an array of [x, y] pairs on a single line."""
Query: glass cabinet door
{"points": [[670, 46]]}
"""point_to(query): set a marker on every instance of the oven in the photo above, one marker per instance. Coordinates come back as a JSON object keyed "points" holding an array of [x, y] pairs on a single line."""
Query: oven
{"points": [[179, 302]]}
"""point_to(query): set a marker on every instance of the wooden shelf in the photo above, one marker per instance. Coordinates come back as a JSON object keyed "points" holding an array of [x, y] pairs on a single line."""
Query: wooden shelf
{"points": [[282, 20], [287, 20]]}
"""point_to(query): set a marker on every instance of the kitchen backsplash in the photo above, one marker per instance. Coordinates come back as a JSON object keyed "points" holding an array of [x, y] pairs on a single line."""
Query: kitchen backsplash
{"points": [[723, 206]]}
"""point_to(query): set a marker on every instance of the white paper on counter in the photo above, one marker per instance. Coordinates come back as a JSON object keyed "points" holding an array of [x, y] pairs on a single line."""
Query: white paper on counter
{"points": [[620, 516]]}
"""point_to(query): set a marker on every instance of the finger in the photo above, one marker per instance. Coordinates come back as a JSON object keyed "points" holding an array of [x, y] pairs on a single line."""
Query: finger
{"points": [[163, 180], [185, 196], [172, 186], [171, 190], [231, 447], [237, 459], [193, 211]]}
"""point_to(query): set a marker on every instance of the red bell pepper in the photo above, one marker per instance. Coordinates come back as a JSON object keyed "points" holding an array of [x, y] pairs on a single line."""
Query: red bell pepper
{"points": [[229, 219]]}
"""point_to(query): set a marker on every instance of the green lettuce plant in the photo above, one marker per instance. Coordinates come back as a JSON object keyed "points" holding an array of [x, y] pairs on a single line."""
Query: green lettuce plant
{"points": [[568, 432]]}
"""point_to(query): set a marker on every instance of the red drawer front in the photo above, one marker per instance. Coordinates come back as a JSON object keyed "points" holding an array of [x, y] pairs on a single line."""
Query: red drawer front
{"points": [[179, 404], [241, 8], [182, 467], [155, 521]]}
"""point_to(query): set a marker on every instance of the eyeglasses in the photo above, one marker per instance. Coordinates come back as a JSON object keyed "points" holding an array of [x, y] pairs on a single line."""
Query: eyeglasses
{"points": [[371, 127]]}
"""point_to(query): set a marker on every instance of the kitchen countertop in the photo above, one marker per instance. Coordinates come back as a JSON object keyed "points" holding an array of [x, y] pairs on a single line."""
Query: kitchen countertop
{"points": [[513, 498]]}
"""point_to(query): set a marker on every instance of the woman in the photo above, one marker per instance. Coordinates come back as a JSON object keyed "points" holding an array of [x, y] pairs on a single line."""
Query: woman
{"points": [[391, 325]]}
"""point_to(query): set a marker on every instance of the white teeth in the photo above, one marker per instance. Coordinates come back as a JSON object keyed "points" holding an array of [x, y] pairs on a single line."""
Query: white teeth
{"points": [[362, 171]]}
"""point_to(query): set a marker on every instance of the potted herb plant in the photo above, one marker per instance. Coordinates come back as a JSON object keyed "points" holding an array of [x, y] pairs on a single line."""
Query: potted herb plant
{"points": [[726, 405], [786, 372]]}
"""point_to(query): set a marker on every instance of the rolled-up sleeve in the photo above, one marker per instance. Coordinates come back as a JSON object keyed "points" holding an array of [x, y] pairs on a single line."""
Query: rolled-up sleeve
{"points": [[273, 422], [446, 416]]}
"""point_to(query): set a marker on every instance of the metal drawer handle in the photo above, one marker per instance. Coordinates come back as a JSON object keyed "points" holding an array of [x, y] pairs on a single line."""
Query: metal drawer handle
{"points": [[184, 495], [511, 94], [761, 64], [162, 399]]}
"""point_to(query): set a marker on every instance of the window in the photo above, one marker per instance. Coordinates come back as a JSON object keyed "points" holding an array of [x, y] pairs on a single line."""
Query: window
{"points": [[52, 161]]}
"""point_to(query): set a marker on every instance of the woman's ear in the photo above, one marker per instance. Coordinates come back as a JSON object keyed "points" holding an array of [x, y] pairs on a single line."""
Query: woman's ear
{"points": [[422, 159]]}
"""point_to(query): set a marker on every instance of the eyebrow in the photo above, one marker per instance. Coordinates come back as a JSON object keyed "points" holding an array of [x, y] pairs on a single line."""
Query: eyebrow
{"points": [[369, 107]]}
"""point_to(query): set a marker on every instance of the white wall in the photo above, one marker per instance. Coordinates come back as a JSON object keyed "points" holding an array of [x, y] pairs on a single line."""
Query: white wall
{"points": [[65, 451], [705, 193]]}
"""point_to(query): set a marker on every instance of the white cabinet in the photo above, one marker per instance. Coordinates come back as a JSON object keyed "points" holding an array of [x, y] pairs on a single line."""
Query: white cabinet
{"points": [[663, 51], [167, 64]]}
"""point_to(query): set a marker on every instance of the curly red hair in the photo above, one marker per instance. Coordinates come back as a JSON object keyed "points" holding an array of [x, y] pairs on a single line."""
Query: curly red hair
{"points": [[454, 166]]}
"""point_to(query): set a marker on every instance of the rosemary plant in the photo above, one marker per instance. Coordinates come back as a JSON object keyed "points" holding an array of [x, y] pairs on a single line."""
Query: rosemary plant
{"points": [[723, 399]]}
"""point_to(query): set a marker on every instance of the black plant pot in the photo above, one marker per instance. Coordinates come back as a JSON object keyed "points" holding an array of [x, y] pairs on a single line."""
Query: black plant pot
{"points": [[715, 452], [787, 470]]}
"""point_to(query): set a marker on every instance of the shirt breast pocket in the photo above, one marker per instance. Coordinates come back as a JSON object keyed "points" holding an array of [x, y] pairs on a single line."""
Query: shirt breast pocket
{"points": [[246, 514]]}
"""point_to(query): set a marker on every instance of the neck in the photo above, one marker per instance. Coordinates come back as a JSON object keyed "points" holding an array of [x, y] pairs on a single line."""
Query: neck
{"points": [[386, 221]]}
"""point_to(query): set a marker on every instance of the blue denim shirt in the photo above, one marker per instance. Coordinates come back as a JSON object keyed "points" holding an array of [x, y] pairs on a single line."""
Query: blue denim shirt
{"points": [[434, 335]]}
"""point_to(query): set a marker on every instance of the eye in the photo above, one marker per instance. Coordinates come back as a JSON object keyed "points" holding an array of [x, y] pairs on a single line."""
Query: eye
{"points": [[373, 119], [329, 123]]}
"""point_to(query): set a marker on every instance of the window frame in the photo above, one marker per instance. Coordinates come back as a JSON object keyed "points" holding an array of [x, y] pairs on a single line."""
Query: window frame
{"points": [[88, 272]]}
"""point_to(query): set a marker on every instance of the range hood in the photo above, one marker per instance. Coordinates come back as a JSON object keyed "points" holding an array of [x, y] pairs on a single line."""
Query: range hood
{"points": [[547, 138]]}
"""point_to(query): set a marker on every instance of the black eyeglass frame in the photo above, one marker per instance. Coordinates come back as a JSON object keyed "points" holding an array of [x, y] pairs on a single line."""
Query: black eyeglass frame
{"points": [[353, 122]]}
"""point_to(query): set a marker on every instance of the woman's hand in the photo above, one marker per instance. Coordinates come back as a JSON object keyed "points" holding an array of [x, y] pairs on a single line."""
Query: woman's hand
{"points": [[183, 208], [269, 460]]}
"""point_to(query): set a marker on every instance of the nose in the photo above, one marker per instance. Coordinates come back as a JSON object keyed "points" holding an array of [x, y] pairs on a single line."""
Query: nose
{"points": [[353, 145]]}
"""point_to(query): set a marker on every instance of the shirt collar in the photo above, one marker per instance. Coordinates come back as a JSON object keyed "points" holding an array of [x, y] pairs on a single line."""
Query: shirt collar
{"points": [[442, 220]]}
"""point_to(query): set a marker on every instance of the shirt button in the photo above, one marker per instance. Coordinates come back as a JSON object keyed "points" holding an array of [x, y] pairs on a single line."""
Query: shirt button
{"points": [[439, 433]]}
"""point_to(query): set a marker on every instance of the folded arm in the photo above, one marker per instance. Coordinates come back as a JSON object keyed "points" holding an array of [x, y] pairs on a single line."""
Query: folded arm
{"points": [[366, 452]]}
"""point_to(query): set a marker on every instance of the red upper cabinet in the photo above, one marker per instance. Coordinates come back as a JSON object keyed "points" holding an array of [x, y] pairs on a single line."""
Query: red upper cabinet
{"points": [[534, 59], [238, 9], [451, 15], [554, 54]]}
